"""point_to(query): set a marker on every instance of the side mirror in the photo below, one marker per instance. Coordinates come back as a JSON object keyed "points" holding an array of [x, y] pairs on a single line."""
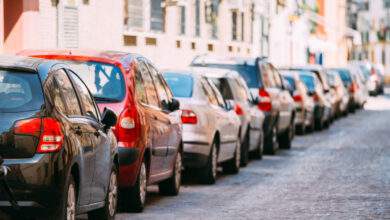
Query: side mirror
{"points": [[174, 105], [109, 118], [229, 105]]}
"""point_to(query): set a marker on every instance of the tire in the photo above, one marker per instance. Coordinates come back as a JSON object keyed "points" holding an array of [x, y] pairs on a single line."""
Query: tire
{"points": [[286, 138], [301, 129], [271, 143], [109, 210], [319, 124], [69, 202], [136, 195], [245, 150], [208, 174], [233, 166], [258, 153], [171, 186]]}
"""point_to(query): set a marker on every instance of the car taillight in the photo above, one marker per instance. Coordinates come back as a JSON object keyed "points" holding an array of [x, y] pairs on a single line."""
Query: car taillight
{"points": [[316, 98], [48, 130], [127, 123], [297, 97], [238, 109], [353, 87], [265, 101], [188, 117]]}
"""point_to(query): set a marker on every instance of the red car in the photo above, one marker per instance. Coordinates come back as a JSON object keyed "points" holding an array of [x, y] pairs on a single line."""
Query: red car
{"points": [[148, 130]]}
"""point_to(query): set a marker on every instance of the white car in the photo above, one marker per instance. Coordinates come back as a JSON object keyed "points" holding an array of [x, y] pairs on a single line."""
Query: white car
{"points": [[210, 125], [234, 89]]}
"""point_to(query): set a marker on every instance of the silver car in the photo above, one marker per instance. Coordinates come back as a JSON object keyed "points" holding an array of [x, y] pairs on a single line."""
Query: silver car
{"points": [[210, 125], [234, 89]]}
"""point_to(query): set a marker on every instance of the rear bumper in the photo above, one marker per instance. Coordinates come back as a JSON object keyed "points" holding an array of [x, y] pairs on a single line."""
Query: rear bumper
{"points": [[129, 160], [35, 182]]}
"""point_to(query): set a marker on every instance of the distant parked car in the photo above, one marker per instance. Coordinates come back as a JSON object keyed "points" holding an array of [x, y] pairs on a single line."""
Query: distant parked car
{"points": [[149, 127], [339, 91], [351, 85], [62, 154], [233, 89], [316, 91], [210, 125], [362, 93], [374, 78], [304, 104], [265, 84]]}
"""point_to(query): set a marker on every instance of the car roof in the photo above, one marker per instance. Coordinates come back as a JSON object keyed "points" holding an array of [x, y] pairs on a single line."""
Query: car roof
{"points": [[20, 63], [215, 72], [207, 59]]}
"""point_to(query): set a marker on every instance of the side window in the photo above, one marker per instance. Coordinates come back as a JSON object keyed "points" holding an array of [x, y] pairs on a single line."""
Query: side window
{"points": [[85, 96], [267, 75], [140, 91], [220, 100], [68, 94], [277, 77], [162, 93], [148, 85], [209, 92]]}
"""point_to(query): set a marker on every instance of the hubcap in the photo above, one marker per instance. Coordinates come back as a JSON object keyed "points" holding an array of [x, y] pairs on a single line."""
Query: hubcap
{"points": [[71, 203], [178, 168], [238, 154], [113, 194], [214, 161], [142, 183]]}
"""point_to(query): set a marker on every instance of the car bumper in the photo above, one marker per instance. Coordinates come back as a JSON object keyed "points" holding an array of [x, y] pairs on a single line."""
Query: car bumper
{"points": [[34, 182], [129, 158], [195, 153]]}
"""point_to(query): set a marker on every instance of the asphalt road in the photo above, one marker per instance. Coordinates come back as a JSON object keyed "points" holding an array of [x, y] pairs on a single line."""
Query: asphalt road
{"points": [[339, 173]]}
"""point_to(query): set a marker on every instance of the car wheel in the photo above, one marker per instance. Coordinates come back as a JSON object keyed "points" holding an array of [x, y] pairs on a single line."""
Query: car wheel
{"points": [[233, 165], [271, 143], [258, 153], [171, 186], [245, 150], [109, 210], [286, 138], [208, 174], [301, 129], [137, 194]]}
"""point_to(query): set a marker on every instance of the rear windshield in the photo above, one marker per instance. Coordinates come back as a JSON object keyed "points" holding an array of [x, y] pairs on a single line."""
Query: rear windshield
{"points": [[250, 73], [105, 81], [309, 81], [180, 84], [290, 81], [20, 92], [345, 76]]}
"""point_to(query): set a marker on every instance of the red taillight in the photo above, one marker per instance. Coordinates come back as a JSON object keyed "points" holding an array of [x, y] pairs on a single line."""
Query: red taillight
{"points": [[265, 101], [316, 98], [297, 98], [238, 109], [48, 130], [353, 87], [188, 117]]}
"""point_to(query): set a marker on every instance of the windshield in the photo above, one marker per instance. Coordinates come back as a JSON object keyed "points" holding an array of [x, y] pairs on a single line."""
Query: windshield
{"points": [[105, 81], [180, 84], [309, 81], [20, 92]]}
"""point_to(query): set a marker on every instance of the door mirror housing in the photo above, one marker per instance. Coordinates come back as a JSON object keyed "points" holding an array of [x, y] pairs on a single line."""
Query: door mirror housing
{"points": [[109, 118], [174, 105]]}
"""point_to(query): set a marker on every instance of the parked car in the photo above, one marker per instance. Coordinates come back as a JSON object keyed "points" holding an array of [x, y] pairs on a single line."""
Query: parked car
{"points": [[265, 84], [234, 89], [61, 152], [322, 77], [316, 91], [374, 78], [304, 104], [210, 125], [351, 85], [361, 93], [149, 127], [339, 91]]}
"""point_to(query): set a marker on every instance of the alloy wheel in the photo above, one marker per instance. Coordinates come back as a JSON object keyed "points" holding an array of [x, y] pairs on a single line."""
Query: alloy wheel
{"points": [[113, 194], [71, 203]]}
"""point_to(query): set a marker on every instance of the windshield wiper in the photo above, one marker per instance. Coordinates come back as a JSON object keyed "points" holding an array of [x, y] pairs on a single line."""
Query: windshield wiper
{"points": [[104, 99]]}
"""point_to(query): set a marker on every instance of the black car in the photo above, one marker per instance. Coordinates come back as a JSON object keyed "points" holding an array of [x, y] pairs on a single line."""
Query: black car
{"points": [[61, 153], [271, 96]]}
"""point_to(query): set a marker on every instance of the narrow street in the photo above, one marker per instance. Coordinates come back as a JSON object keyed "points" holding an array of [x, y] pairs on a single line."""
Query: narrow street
{"points": [[339, 173]]}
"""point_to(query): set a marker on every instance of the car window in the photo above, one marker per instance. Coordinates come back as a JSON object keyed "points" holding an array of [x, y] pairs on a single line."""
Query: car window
{"points": [[239, 92], [148, 85], [85, 96], [180, 84], [218, 95], [105, 81], [309, 81], [140, 90], [291, 81], [20, 91], [224, 88], [208, 91], [68, 94], [159, 85], [267, 76], [276, 75]]}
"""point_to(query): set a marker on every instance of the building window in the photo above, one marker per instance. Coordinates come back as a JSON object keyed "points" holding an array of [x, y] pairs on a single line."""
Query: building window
{"points": [[182, 22], [242, 26], [157, 14], [197, 18], [134, 17], [234, 25]]}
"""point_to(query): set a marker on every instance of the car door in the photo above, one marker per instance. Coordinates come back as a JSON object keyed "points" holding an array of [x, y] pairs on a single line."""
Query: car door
{"points": [[79, 129], [173, 134], [155, 121], [100, 141]]}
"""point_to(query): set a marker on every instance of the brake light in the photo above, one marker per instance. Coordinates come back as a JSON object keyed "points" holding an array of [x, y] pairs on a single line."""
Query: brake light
{"points": [[127, 123], [238, 109], [188, 117], [265, 101], [353, 87], [297, 98], [316, 98], [48, 130]]}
